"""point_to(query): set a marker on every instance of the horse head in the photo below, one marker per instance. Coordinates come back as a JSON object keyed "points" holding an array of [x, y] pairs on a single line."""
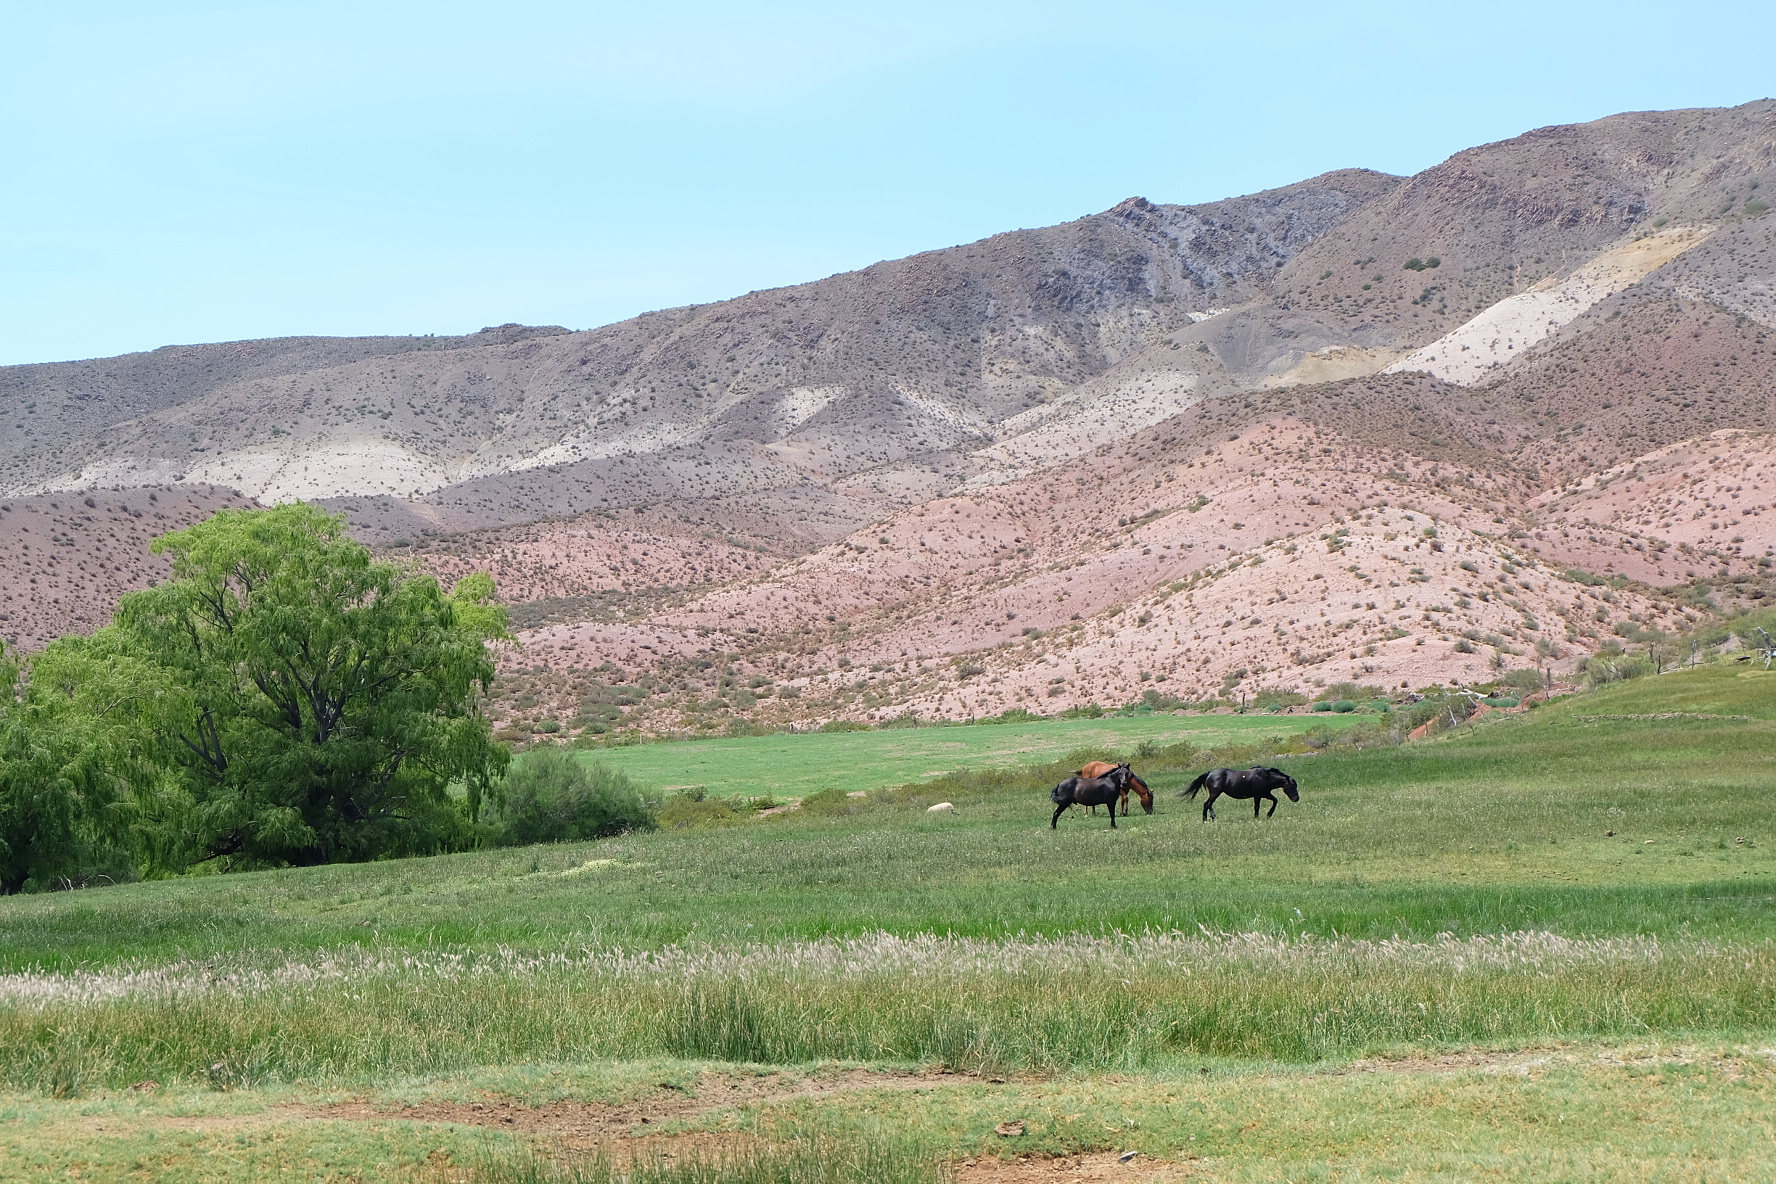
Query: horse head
{"points": [[1288, 785], [1141, 790]]}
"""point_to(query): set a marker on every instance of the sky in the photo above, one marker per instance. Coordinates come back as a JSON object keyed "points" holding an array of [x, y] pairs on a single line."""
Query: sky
{"points": [[186, 172]]}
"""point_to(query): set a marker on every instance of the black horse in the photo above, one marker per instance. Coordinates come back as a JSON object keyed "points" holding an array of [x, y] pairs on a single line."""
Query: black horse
{"points": [[1097, 791], [1255, 783]]}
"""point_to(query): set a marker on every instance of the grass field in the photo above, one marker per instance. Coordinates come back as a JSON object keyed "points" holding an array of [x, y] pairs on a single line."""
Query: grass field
{"points": [[1440, 964], [792, 766]]}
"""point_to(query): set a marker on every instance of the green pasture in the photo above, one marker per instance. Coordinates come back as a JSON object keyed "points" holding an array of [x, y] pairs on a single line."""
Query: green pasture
{"points": [[795, 765], [1377, 1021], [1502, 827]]}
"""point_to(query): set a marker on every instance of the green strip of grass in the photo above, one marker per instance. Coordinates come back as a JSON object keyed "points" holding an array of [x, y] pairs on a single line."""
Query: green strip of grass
{"points": [[793, 766], [1503, 829], [969, 1005]]}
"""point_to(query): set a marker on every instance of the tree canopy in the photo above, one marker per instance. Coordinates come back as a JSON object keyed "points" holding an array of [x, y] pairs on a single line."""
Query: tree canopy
{"points": [[284, 698]]}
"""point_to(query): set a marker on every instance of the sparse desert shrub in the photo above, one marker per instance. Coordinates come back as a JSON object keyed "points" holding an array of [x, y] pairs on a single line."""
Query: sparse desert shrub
{"points": [[1607, 667], [1277, 700], [551, 797], [1525, 679]]}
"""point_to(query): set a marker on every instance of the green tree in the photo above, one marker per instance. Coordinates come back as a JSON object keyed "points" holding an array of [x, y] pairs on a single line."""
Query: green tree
{"points": [[59, 793], [301, 701]]}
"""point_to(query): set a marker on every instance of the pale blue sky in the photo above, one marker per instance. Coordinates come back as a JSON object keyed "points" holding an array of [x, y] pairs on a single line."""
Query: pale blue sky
{"points": [[207, 171]]}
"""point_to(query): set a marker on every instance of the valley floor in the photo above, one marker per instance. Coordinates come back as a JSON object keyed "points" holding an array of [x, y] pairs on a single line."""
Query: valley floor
{"points": [[1538, 949]]}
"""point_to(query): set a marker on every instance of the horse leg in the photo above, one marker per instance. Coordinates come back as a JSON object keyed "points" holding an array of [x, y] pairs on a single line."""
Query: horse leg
{"points": [[1273, 805], [1209, 805], [1257, 801], [1055, 822], [1112, 813]]}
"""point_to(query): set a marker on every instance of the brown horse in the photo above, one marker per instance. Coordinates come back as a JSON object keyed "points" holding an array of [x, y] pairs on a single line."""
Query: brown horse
{"points": [[1099, 791], [1104, 769]]}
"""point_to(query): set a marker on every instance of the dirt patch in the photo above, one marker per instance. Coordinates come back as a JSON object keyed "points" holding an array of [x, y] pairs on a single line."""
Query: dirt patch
{"points": [[1519, 1060], [1525, 1062], [1066, 1169], [580, 1124]]}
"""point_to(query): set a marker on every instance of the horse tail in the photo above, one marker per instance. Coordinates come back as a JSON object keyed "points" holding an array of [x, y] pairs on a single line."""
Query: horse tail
{"points": [[1190, 791], [1063, 792]]}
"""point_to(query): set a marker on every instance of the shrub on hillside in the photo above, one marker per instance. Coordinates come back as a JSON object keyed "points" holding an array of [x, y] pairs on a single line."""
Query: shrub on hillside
{"points": [[1611, 664], [1526, 678], [550, 797], [1277, 700]]}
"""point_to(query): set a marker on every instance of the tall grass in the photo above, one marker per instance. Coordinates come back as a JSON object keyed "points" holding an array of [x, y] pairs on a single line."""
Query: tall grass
{"points": [[1035, 1003], [805, 1160]]}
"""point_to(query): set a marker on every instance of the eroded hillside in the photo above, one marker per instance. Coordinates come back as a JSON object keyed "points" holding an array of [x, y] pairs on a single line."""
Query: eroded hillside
{"points": [[1362, 428]]}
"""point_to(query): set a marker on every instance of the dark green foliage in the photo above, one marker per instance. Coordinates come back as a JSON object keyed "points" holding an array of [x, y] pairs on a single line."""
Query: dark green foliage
{"points": [[844, 725], [550, 797], [59, 799], [284, 699]]}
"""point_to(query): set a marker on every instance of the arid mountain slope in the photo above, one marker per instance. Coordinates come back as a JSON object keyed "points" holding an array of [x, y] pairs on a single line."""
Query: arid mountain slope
{"points": [[1358, 429], [898, 365], [65, 559]]}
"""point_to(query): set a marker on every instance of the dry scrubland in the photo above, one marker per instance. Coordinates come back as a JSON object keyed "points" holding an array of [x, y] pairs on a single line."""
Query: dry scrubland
{"points": [[1441, 963]]}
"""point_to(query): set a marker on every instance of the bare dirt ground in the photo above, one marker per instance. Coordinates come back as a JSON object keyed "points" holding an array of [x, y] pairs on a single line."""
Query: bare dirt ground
{"points": [[586, 1124]]}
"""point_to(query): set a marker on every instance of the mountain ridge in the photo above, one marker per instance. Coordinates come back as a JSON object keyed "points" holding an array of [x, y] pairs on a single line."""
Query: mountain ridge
{"points": [[1188, 414]]}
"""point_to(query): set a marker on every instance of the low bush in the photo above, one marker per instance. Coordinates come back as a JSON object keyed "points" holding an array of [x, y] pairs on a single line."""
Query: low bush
{"points": [[828, 803], [695, 809], [551, 797]]}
